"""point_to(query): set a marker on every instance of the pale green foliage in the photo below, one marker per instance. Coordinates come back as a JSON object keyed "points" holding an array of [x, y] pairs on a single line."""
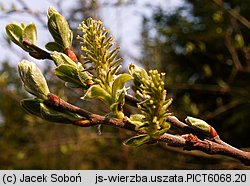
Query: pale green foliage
{"points": [[60, 31], [32, 106], [138, 140], [33, 79], [198, 124], [62, 59], [99, 50], [19, 33], [36, 107], [52, 115], [73, 74]]}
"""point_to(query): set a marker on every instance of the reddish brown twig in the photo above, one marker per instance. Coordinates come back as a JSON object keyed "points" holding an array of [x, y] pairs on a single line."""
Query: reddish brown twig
{"points": [[38, 52], [187, 141]]}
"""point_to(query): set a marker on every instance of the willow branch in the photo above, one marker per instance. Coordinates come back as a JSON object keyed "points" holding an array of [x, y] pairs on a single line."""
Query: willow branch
{"points": [[91, 119], [191, 142], [187, 141]]}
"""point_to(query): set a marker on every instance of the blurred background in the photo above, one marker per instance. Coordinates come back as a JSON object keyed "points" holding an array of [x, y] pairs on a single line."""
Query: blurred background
{"points": [[202, 45]]}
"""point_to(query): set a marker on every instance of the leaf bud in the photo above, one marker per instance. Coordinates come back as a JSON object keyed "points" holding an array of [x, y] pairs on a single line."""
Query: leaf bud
{"points": [[33, 79]]}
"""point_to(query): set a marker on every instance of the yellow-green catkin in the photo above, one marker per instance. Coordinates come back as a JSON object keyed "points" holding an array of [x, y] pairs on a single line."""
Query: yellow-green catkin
{"points": [[99, 50], [151, 93]]}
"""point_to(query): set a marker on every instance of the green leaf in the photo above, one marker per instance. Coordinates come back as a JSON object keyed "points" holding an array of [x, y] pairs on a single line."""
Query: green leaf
{"points": [[162, 131], [18, 33], [119, 97], [84, 76], [53, 46], [64, 30], [15, 33], [96, 91], [137, 120], [119, 82], [59, 28], [138, 72], [30, 33], [32, 106], [53, 29], [58, 116], [138, 140], [68, 73], [33, 79], [139, 75], [62, 59]]}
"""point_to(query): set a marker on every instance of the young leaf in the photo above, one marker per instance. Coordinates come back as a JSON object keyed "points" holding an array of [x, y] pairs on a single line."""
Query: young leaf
{"points": [[51, 11], [62, 59], [30, 33], [33, 79], [53, 46], [85, 77], [32, 106], [119, 82], [138, 73], [162, 131], [138, 140], [59, 28], [137, 120], [96, 91], [68, 73], [15, 33], [53, 29], [64, 31], [119, 97], [58, 116]]}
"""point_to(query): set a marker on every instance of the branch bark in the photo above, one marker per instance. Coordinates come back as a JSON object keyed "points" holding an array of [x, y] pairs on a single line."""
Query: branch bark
{"points": [[188, 140], [39, 54]]}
